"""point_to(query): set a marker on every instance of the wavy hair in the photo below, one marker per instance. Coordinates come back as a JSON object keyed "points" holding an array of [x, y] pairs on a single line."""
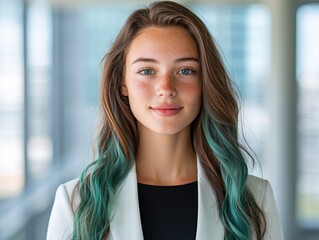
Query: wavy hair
{"points": [[215, 136]]}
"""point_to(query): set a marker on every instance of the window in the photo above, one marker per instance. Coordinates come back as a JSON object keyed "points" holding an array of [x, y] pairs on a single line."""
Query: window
{"points": [[308, 112], [39, 59], [11, 100], [18, 123]]}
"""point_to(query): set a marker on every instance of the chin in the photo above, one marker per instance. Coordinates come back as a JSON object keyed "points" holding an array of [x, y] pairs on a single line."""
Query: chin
{"points": [[168, 131]]}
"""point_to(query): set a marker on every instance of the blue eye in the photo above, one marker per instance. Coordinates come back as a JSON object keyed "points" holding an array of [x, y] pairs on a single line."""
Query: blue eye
{"points": [[146, 72], [186, 71]]}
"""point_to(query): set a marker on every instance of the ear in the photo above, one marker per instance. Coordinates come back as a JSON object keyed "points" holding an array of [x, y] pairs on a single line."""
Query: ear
{"points": [[124, 90]]}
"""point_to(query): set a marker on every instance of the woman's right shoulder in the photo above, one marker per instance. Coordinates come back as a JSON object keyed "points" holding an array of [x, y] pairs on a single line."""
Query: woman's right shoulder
{"points": [[68, 187], [61, 220], [68, 192]]}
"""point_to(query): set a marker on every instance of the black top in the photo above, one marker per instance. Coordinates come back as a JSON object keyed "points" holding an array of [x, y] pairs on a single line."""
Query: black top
{"points": [[168, 212]]}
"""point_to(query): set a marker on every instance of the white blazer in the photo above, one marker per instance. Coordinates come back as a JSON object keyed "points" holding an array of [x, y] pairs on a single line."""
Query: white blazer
{"points": [[126, 223]]}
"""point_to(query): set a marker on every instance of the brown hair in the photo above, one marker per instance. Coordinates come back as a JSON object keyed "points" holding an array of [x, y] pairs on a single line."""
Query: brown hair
{"points": [[214, 130]]}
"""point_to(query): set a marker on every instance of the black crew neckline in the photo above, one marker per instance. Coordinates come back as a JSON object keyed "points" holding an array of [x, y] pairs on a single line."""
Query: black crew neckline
{"points": [[167, 186]]}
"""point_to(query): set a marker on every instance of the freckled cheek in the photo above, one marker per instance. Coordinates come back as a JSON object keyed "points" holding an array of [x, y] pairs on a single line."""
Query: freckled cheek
{"points": [[193, 93], [139, 90]]}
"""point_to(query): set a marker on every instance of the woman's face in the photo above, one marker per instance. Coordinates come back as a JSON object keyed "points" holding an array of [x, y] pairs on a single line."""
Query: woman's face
{"points": [[162, 79]]}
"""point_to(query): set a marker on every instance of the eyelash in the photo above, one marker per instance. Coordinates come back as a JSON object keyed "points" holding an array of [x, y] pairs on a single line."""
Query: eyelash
{"points": [[190, 70], [146, 69]]}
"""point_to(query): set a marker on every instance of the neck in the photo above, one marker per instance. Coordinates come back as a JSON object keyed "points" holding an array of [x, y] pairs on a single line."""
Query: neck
{"points": [[165, 159]]}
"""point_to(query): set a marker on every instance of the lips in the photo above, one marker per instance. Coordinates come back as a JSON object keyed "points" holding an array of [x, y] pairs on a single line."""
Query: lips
{"points": [[166, 110]]}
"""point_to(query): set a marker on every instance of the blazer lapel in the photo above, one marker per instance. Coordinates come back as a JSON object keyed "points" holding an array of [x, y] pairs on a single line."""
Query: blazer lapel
{"points": [[126, 221], [209, 226]]}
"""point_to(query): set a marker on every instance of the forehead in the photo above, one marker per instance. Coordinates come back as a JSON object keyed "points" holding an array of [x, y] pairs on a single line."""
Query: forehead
{"points": [[163, 41]]}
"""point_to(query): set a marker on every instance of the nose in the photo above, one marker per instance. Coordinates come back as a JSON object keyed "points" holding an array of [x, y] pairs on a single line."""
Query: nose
{"points": [[166, 86]]}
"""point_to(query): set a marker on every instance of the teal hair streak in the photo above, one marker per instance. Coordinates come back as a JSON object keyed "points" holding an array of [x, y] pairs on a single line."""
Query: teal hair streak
{"points": [[222, 139], [100, 181], [98, 192]]}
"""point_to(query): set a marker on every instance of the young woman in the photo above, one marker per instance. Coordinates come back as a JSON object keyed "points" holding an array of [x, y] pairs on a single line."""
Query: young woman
{"points": [[170, 165]]}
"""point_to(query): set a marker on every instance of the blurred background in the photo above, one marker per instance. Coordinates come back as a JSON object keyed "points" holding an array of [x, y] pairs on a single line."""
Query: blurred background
{"points": [[50, 64]]}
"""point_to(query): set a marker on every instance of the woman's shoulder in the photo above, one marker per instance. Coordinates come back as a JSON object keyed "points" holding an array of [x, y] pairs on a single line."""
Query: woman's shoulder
{"points": [[62, 213], [256, 183], [68, 191], [263, 193], [69, 186], [258, 186]]}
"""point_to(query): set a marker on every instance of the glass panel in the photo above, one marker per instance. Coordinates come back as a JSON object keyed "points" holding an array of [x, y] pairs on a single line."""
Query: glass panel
{"points": [[11, 100], [97, 38], [39, 89], [308, 111]]}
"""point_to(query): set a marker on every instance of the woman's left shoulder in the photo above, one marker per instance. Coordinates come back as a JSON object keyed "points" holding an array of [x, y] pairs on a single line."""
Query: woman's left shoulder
{"points": [[261, 190], [258, 187], [264, 197]]}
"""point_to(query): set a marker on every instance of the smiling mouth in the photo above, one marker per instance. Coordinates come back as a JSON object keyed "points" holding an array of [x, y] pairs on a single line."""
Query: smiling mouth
{"points": [[166, 111]]}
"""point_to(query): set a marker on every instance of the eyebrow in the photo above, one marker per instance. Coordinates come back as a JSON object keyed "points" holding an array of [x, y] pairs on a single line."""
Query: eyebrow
{"points": [[187, 59], [151, 60]]}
